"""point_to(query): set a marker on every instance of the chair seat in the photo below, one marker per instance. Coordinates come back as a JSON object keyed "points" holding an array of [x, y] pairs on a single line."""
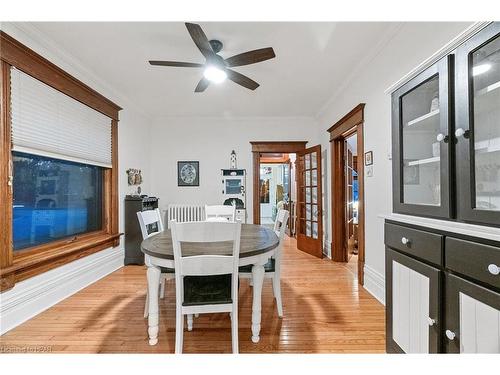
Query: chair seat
{"points": [[207, 290], [167, 270], [270, 266]]}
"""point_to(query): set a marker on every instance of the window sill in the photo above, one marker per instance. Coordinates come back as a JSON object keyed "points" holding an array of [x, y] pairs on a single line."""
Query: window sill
{"points": [[31, 263]]}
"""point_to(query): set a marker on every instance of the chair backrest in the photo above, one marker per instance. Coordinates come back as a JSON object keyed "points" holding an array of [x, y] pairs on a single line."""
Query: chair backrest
{"points": [[215, 213], [206, 233], [279, 229], [147, 218], [206, 264]]}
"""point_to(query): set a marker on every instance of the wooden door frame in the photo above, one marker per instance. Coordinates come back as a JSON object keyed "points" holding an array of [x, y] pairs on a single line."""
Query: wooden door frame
{"points": [[259, 147], [350, 124]]}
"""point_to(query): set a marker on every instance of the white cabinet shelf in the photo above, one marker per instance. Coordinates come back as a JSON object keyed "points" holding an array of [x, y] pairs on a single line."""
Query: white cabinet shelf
{"points": [[426, 119], [434, 159]]}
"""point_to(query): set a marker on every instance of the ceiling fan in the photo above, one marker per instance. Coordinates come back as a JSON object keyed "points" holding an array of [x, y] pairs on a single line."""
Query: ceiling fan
{"points": [[217, 69]]}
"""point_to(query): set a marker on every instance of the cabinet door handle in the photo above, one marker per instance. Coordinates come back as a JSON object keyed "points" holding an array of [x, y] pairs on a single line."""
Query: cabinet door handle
{"points": [[450, 334], [431, 321], [441, 137], [405, 241], [494, 269], [461, 133]]}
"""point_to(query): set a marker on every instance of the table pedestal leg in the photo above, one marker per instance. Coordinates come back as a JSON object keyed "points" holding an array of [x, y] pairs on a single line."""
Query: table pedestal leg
{"points": [[153, 283], [258, 280]]}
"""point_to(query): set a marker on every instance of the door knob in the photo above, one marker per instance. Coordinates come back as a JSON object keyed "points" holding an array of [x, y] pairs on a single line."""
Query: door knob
{"points": [[405, 241], [450, 334], [494, 269], [431, 321]]}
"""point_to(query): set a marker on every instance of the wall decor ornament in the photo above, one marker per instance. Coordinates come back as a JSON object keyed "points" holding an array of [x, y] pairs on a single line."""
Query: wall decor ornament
{"points": [[134, 176], [233, 160], [188, 173], [368, 158]]}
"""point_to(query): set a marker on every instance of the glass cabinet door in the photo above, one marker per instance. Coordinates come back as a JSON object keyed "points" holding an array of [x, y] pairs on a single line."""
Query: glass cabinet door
{"points": [[477, 130], [421, 126]]}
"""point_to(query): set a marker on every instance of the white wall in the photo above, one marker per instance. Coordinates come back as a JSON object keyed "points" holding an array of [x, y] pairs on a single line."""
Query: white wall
{"points": [[210, 141], [412, 44]]}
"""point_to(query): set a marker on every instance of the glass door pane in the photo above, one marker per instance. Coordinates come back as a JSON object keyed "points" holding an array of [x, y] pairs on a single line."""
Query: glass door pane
{"points": [[485, 102], [421, 148]]}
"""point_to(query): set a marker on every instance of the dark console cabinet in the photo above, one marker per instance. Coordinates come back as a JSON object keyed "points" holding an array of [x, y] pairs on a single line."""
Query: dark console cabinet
{"points": [[133, 235], [442, 291]]}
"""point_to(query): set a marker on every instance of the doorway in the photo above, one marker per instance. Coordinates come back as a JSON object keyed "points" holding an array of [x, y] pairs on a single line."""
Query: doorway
{"points": [[278, 189], [306, 212], [348, 220]]}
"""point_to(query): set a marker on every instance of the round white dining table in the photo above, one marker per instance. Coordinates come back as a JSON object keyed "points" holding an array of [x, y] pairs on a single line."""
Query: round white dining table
{"points": [[257, 246]]}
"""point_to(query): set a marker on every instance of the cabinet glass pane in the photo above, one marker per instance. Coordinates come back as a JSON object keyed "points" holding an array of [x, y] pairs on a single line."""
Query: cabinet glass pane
{"points": [[485, 73], [421, 150]]}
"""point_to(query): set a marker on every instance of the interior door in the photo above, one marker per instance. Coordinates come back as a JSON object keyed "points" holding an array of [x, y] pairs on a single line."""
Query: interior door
{"points": [[349, 208], [309, 205]]}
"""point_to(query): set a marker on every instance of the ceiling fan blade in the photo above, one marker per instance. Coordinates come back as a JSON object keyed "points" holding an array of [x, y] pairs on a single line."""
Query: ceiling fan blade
{"points": [[251, 57], [176, 63], [202, 85], [242, 80], [200, 39]]}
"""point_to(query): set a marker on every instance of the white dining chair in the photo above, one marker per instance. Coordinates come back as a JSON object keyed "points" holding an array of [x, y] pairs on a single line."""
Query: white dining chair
{"points": [[206, 283], [152, 218], [273, 266], [220, 213]]}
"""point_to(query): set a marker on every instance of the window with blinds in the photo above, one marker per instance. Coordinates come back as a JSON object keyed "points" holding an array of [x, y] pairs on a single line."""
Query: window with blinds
{"points": [[60, 150], [46, 122]]}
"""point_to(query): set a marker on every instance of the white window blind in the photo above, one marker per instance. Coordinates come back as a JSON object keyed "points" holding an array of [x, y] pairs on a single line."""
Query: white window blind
{"points": [[47, 122]]}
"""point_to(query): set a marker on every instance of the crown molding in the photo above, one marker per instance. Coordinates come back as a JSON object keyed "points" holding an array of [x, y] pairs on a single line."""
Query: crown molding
{"points": [[439, 54]]}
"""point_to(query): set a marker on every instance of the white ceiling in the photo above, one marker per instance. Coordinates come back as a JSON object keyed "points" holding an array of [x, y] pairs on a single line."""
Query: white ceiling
{"points": [[312, 61]]}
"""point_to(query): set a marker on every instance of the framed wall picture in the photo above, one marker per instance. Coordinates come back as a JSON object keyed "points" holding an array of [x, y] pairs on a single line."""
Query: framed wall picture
{"points": [[369, 158], [188, 173]]}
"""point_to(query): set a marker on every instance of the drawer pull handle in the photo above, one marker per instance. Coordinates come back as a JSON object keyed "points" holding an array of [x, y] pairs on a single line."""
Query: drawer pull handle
{"points": [[494, 269], [405, 241], [450, 334], [431, 321]]}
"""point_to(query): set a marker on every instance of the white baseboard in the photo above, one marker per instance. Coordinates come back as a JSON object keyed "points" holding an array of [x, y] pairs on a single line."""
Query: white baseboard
{"points": [[32, 296], [375, 284]]}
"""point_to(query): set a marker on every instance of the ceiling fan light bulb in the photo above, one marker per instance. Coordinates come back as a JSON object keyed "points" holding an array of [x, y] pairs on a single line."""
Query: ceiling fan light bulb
{"points": [[214, 74]]}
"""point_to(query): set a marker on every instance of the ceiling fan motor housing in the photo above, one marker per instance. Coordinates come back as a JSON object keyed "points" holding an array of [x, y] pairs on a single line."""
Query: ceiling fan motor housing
{"points": [[216, 45]]}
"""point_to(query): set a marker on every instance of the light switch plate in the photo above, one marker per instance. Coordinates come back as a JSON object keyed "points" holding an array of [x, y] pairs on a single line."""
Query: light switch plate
{"points": [[369, 171]]}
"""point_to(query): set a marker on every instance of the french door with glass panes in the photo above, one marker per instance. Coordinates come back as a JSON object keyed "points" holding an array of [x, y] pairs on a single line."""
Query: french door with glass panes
{"points": [[477, 127], [421, 143], [310, 221]]}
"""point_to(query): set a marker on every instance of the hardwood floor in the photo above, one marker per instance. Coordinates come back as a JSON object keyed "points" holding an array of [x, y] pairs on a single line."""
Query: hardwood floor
{"points": [[324, 312]]}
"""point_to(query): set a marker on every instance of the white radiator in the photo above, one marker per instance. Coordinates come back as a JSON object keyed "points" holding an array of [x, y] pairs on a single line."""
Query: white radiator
{"points": [[185, 212]]}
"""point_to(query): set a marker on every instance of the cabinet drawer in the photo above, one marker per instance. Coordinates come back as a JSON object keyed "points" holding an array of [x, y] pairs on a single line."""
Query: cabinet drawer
{"points": [[420, 244], [474, 260]]}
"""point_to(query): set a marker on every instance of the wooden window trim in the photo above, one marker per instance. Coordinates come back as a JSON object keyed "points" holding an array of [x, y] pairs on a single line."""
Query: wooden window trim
{"points": [[27, 263]]}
